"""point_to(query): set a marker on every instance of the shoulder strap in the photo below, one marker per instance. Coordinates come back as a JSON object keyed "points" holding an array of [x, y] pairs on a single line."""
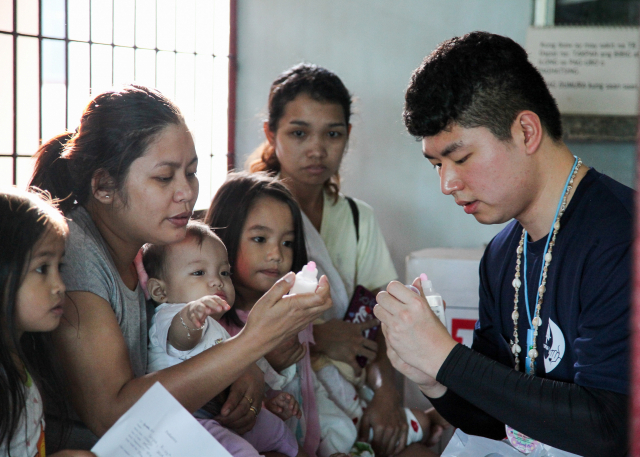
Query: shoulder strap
{"points": [[356, 216]]}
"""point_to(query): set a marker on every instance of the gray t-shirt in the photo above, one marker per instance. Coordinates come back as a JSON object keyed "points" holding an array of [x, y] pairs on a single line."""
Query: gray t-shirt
{"points": [[90, 268]]}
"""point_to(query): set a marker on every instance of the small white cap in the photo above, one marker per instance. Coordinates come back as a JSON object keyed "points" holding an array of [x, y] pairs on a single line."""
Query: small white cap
{"points": [[309, 270]]}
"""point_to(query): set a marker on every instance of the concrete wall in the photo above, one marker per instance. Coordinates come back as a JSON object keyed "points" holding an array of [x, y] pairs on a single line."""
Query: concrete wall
{"points": [[374, 45]]}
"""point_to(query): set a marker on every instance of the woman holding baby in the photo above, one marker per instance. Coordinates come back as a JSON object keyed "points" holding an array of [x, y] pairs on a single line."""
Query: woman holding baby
{"points": [[128, 177]]}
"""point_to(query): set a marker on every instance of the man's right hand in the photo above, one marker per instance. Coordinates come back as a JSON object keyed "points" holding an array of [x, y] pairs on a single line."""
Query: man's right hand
{"points": [[428, 385]]}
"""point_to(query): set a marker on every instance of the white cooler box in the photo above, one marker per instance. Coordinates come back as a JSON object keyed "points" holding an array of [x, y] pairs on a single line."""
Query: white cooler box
{"points": [[454, 274]]}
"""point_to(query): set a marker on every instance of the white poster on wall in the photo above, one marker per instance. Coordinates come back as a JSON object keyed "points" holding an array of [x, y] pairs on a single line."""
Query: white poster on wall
{"points": [[589, 70]]}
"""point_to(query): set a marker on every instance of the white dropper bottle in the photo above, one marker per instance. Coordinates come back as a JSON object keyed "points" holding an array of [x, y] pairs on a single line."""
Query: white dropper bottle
{"points": [[433, 298], [306, 280]]}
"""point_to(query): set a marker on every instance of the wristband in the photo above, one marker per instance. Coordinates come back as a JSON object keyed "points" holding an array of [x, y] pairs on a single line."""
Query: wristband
{"points": [[191, 329]]}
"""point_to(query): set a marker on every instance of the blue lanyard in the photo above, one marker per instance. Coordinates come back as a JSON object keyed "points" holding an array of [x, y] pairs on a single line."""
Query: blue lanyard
{"points": [[546, 248]]}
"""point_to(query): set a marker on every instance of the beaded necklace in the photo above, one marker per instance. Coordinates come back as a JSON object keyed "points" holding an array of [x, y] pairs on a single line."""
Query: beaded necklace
{"points": [[551, 241]]}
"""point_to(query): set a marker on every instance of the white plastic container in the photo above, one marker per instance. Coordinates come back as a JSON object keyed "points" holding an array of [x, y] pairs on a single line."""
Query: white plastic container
{"points": [[306, 280], [433, 298]]}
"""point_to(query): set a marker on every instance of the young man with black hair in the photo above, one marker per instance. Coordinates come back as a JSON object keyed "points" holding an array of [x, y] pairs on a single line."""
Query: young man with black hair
{"points": [[550, 352]]}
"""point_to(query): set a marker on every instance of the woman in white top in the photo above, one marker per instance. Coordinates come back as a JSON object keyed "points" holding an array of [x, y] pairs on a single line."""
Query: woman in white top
{"points": [[307, 132]]}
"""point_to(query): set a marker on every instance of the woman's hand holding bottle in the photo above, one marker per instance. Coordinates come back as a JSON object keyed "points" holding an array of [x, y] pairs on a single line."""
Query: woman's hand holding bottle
{"points": [[276, 318]]}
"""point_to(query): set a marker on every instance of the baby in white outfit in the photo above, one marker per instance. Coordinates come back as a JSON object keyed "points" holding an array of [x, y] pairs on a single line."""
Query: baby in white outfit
{"points": [[190, 283]]}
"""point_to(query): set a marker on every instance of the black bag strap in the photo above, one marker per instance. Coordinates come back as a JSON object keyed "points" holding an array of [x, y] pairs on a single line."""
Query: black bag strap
{"points": [[356, 216]]}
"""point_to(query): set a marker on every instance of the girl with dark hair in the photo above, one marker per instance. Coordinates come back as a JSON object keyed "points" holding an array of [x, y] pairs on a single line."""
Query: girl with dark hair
{"points": [[307, 133], [227, 216], [32, 236], [320, 85], [260, 222], [128, 177]]}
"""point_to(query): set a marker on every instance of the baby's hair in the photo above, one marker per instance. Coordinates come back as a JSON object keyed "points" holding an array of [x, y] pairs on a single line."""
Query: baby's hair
{"points": [[25, 218], [154, 255], [231, 206]]}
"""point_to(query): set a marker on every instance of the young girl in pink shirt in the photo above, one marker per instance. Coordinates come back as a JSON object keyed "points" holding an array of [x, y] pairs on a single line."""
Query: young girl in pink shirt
{"points": [[260, 223]]}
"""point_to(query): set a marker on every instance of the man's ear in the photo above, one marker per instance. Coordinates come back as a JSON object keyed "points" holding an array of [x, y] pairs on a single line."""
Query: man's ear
{"points": [[528, 128], [271, 136], [103, 186], [157, 290]]}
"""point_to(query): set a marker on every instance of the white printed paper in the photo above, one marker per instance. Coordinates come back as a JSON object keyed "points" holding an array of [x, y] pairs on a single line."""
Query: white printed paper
{"points": [[157, 425], [463, 445], [589, 70]]}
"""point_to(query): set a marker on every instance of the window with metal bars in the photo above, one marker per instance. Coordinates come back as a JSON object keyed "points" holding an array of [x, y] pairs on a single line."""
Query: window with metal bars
{"points": [[54, 54]]}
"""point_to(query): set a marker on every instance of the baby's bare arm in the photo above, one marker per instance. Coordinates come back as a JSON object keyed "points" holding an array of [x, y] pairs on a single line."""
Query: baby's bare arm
{"points": [[187, 326]]}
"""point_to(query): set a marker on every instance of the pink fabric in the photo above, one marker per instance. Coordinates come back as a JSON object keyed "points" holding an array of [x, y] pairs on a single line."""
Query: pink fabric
{"points": [[143, 277], [312, 438], [271, 434], [232, 329], [309, 406], [268, 434], [235, 444]]}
